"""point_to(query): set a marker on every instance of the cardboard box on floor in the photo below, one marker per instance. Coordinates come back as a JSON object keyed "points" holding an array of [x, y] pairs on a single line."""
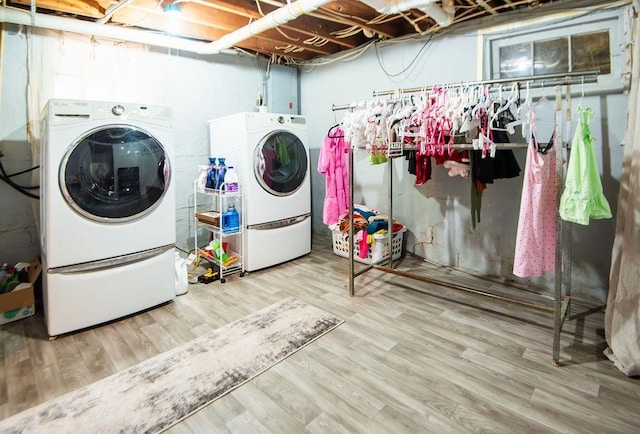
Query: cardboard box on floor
{"points": [[20, 303]]}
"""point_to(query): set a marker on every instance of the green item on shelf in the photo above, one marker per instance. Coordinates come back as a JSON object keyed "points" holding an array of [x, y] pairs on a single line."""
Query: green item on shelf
{"points": [[218, 252]]}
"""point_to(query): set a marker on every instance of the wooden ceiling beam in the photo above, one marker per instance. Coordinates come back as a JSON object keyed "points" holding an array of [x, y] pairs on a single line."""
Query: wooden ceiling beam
{"points": [[233, 15], [487, 7], [356, 13], [344, 12], [154, 20], [194, 27], [89, 9], [306, 37], [305, 24]]}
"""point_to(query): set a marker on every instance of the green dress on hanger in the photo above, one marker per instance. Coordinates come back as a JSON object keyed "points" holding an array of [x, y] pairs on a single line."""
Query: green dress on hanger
{"points": [[582, 198]]}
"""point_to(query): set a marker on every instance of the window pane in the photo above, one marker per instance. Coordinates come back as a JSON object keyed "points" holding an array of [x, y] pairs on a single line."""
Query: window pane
{"points": [[591, 51], [551, 57], [516, 61]]}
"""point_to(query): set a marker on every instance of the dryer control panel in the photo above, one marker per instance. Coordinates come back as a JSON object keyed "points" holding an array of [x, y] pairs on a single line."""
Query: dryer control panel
{"points": [[61, 112]]}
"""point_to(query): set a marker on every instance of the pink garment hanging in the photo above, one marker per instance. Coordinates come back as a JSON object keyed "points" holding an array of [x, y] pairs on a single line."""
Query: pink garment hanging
{"points": [[331, 163], [536, 238]]}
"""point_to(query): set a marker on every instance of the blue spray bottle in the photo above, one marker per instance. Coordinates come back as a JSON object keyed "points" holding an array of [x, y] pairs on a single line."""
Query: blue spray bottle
{"points": [[222, 170], [212, 174]]}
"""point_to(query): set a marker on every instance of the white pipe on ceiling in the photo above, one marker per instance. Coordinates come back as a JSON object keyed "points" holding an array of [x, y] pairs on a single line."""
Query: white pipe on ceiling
{"points": [[52, 22], [273, 19], [442, 17]]}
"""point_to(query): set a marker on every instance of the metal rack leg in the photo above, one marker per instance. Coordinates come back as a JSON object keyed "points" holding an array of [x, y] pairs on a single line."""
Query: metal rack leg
{"points": [[557, 299], [350, 211]]}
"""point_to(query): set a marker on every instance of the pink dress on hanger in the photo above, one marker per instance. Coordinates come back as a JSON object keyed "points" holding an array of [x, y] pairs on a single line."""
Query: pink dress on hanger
{"points": [[536, 238], [331, 163]]}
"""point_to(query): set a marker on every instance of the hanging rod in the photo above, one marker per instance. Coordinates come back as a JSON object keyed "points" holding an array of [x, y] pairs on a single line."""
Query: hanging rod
{"points": [[535, 81], [468, 146]]}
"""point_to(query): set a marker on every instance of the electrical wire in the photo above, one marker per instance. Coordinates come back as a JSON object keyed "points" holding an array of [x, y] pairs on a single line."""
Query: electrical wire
{"points": [[22, 189], [23, 172], [276, 28], [316, 41], [289, 48], [345, 57], [415, 58], [285, 35], [345, 33], [414, 23], [145, 15]]}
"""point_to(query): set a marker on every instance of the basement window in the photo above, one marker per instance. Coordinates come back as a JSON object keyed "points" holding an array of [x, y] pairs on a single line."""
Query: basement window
{"points": [[589, 42], [574, 53]]}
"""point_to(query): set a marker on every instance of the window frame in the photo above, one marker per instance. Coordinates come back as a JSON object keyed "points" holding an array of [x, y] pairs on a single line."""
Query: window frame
{"points": [[612, 21]]}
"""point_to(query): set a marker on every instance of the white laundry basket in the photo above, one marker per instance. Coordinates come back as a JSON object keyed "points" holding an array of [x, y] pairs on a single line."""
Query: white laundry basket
{"points": [[378, 251]]}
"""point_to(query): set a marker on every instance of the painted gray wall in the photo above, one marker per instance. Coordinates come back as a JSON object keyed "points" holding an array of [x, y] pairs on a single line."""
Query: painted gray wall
{"points": [[19, 239], [197, 88], [437, 214]]}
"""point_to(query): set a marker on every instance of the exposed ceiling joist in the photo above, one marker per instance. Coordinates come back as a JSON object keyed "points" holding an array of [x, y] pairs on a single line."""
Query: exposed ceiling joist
{"points": [[326, 28]]}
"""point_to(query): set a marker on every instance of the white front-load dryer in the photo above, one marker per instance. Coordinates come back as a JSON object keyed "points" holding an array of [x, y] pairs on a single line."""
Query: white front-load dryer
{"points": [[270, 154], [107, 211]]}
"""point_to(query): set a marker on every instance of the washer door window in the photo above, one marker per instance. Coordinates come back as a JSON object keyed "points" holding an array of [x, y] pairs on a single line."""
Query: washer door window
{"points": [[115, 173], [280, 163]]}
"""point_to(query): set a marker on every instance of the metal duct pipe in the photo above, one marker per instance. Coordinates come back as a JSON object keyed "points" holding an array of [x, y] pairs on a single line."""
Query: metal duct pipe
{"points": [[277, 17], [442, 17]]}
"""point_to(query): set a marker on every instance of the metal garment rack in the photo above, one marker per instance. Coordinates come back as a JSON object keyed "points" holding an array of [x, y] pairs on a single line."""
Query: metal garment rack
{"points": [[563, 235]]}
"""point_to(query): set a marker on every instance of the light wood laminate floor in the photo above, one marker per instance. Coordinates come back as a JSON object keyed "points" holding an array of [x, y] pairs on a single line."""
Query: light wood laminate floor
{"points": [[403, 361]]}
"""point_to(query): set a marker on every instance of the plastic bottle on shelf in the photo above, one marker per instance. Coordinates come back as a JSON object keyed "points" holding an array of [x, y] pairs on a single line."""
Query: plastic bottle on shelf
{"points": [[230, 219], [222, 170], [231, 179], [202, 176], [212, 173]]}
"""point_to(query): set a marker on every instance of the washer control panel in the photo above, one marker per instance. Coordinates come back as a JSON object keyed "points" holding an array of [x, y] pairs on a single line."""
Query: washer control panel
{"points": [[71, 111]]}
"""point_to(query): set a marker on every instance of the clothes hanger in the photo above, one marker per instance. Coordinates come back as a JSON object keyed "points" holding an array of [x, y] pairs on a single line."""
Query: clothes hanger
{"points": [[334, 128], [522, 114], [513, 97], [544, 101], [580, 106], [482, 103]]}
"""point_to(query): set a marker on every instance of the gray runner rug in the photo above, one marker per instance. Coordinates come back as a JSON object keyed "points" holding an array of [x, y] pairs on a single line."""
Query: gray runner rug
{"points": [[161, 391]]}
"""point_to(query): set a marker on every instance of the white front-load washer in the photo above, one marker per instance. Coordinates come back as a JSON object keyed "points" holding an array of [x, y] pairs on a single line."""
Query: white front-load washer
{"points": [[107, 211], [271, 157]]}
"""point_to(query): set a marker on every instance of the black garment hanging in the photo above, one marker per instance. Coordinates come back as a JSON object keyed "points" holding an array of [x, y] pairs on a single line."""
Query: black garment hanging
{"points": [[504, 165], [410, 156], [477, 187], [485, 170]]}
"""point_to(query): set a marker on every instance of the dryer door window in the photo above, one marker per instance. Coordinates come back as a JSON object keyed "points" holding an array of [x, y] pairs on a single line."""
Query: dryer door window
{"points": [[280, 163], [115, 173]]}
